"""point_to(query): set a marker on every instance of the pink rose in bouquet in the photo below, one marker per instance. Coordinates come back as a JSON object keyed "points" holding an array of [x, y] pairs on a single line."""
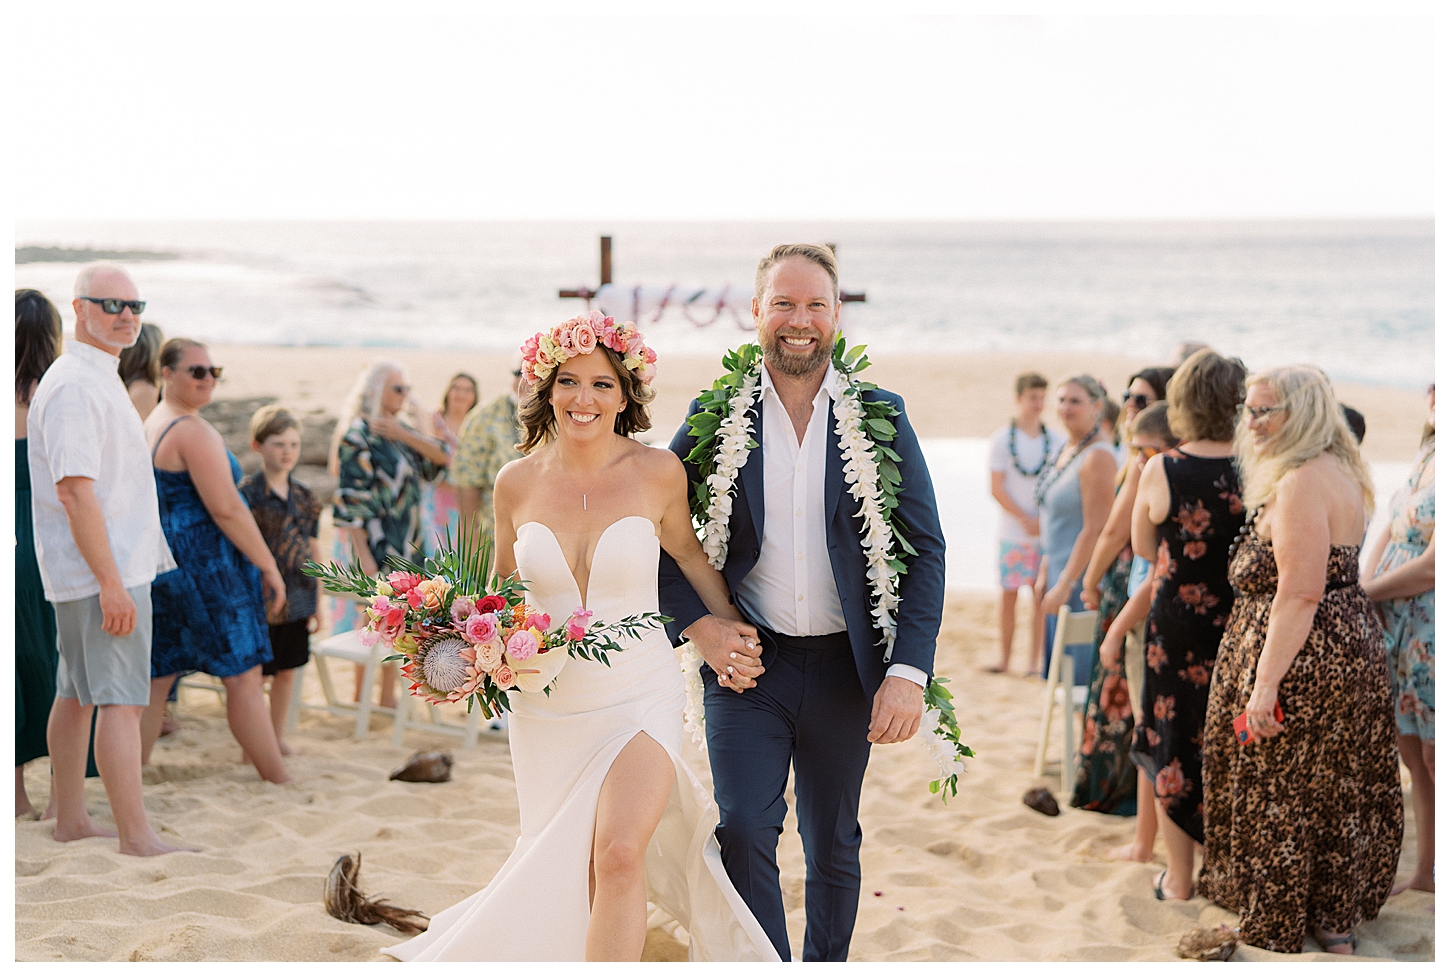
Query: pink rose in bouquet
{"points": [[489, 654], [523, 645], [504, 677], [481, 628]]}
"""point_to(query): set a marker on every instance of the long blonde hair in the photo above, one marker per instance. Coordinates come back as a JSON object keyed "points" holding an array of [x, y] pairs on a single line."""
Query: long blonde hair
{"points": [[362, 401], [1313, 424]]}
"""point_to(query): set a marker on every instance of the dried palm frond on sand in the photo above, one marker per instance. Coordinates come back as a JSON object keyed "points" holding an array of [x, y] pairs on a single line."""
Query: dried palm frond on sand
{"points": [[345, 901]]}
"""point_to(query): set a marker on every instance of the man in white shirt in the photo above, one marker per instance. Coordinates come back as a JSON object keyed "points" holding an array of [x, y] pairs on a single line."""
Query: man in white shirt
{"points": [[99, 543], [820, 691], [1016, 455]]}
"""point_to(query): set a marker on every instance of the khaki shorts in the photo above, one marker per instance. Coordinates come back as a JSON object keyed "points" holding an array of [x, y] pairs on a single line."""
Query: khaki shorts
{"points": [[100, 669]]}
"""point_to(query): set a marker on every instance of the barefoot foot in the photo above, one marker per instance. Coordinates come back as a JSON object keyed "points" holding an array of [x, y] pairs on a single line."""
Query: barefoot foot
{"points": [[287, 748], [76, 830], [1132, 852], [147, 847]]}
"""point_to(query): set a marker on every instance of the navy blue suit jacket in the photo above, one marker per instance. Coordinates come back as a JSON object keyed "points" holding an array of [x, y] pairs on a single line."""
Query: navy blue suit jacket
{"points": [[918, 618]]}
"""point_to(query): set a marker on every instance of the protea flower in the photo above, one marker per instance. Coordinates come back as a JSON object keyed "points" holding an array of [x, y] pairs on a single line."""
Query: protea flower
{"points": [[444, 667]]}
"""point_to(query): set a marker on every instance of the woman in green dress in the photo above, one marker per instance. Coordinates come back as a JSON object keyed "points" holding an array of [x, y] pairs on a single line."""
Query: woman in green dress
{"points": [[37, 344]]}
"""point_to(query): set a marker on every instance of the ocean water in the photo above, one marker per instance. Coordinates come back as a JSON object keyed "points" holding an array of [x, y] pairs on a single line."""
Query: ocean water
{"points": [[1354, 297]]}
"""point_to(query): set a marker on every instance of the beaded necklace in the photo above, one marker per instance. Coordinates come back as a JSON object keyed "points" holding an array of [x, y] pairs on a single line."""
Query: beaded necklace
{"points": [[1243, 533], [1012, 449], [1048, 479]]}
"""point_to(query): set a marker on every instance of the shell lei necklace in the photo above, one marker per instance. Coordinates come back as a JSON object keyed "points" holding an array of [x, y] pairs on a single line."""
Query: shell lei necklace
{"points": [[723, 443], [1048, 479], [1012, 449]]}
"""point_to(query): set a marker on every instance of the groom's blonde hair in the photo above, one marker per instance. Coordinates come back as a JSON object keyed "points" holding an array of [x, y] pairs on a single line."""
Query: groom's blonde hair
{"points": [[821, 254]]}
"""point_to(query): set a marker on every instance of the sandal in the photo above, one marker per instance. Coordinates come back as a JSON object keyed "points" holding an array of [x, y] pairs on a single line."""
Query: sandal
{"points": [[1158, 889]]}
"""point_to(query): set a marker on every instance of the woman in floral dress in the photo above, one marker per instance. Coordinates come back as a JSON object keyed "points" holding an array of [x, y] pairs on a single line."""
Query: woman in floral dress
{"points": [[379, 462], [1187, 512], [1404, 585]]}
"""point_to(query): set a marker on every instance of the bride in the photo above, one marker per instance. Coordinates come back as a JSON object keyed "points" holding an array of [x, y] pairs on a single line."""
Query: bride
{"points": [[609, 814]]}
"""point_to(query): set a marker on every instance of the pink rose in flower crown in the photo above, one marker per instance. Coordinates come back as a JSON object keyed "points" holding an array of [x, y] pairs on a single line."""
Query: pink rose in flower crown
{"points": [[608, 335], [564, 336], [648, 373], [539, 622], [504, 677], [481, 628], [578, 624], [460, 611], [523, 646], [584, 339]]}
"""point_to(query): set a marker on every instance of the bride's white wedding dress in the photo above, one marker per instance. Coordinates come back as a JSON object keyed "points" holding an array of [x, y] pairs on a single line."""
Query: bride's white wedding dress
{"points": [[537, 906]]}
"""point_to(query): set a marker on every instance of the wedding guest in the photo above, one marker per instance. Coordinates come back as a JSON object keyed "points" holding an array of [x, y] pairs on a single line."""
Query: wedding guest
{"points": [[1303, 821], [486, 443], [99, 544], [141, 369], [1403, 585], [1016, 455], [210, 614], [380, 463], [1106, 776], [286, 512], [37, 344], [440, 497], [1186, 514], [1074, 496]]}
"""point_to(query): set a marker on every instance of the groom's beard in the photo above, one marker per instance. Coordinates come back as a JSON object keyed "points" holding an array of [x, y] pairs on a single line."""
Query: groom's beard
{"points": [[784, 360]]}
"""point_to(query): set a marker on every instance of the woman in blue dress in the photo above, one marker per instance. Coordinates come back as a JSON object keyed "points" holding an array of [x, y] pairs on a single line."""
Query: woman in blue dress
{"points": [[208, 613], [1403, 584]]}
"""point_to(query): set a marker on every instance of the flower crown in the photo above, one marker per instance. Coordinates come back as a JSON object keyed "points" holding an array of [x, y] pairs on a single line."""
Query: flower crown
{"points": [[548, 350]]}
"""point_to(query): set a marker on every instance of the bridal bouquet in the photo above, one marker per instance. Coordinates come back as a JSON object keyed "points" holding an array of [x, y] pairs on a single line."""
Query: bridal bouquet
{"points": [[463, 634]]}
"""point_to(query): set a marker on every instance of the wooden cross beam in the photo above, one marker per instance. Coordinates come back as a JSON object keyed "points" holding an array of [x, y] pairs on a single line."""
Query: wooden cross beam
{"points": [[606, 276]]}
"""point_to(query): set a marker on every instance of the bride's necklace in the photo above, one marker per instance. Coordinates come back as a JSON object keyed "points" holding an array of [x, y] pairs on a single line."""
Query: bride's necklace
{"points": [[1050, 478], [1012, 449], [596, 476]]}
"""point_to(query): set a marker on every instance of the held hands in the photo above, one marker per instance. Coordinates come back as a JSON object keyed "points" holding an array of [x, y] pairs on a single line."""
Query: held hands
{"points": [[896, 711], [1260, 711], [731, 648], [118, 611]]}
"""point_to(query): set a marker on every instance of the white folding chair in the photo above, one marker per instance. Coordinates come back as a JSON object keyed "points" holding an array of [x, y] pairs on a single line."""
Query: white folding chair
{"points": [[1073, 628], [347, 647]]}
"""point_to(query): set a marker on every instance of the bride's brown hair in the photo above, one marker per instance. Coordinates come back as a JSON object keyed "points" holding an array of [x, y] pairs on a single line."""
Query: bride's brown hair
{"points": [[536, 413]]}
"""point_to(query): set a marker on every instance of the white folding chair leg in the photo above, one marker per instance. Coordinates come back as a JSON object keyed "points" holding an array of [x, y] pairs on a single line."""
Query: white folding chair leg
{"points": [[365, 699], [401, 715], [1069, 720], [1054, 669]]}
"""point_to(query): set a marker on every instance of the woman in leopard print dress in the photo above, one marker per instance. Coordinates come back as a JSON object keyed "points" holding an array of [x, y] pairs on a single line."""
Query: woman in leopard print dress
{"points": [[1303, 821]]}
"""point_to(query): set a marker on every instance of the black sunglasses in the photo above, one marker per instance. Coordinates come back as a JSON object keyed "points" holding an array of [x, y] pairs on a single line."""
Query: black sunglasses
{"points": [[114, 306], [1139, 401], [519, 373], [200, 372]]}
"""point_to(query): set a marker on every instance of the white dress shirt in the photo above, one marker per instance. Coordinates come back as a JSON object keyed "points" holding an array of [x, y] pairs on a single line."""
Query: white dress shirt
{"points": [[83, 423], [792, 589]]}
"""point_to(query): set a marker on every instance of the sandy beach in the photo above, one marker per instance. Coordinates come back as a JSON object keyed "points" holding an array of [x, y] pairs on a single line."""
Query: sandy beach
{"points": [[982, 877]]}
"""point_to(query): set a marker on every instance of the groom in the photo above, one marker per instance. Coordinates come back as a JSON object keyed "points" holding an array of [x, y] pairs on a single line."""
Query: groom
{"points": [[820, 693]]}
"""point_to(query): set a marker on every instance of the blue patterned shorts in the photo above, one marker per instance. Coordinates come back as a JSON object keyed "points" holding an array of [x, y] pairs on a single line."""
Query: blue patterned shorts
{"points": [[1017, 564]]}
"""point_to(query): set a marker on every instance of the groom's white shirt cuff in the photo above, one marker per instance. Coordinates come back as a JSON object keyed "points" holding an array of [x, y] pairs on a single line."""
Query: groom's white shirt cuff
{"points": [[909, 672]]}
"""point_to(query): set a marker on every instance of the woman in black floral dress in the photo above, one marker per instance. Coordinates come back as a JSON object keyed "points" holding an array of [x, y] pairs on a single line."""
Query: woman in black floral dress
{"points": [[1187, 514]]}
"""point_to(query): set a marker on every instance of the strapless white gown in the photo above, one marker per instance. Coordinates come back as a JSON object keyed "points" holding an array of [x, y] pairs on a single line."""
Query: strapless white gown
{"points": [[537, 906]]}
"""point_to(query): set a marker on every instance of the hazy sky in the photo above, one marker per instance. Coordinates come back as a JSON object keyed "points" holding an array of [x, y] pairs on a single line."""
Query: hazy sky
{"points": [[681, 117]]}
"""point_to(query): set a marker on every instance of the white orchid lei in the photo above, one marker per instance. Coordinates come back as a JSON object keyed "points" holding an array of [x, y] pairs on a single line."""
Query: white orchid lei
{"points": [[723, 443]]}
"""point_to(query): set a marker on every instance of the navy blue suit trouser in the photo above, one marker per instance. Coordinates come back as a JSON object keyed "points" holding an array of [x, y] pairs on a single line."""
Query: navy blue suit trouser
{"points": [[807, 709]]}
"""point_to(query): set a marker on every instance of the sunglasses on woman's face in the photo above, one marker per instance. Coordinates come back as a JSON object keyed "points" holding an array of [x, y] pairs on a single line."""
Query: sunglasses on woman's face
{"points": [[199, 373], [1139, 401], [1146, 451], [400, 389]]}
